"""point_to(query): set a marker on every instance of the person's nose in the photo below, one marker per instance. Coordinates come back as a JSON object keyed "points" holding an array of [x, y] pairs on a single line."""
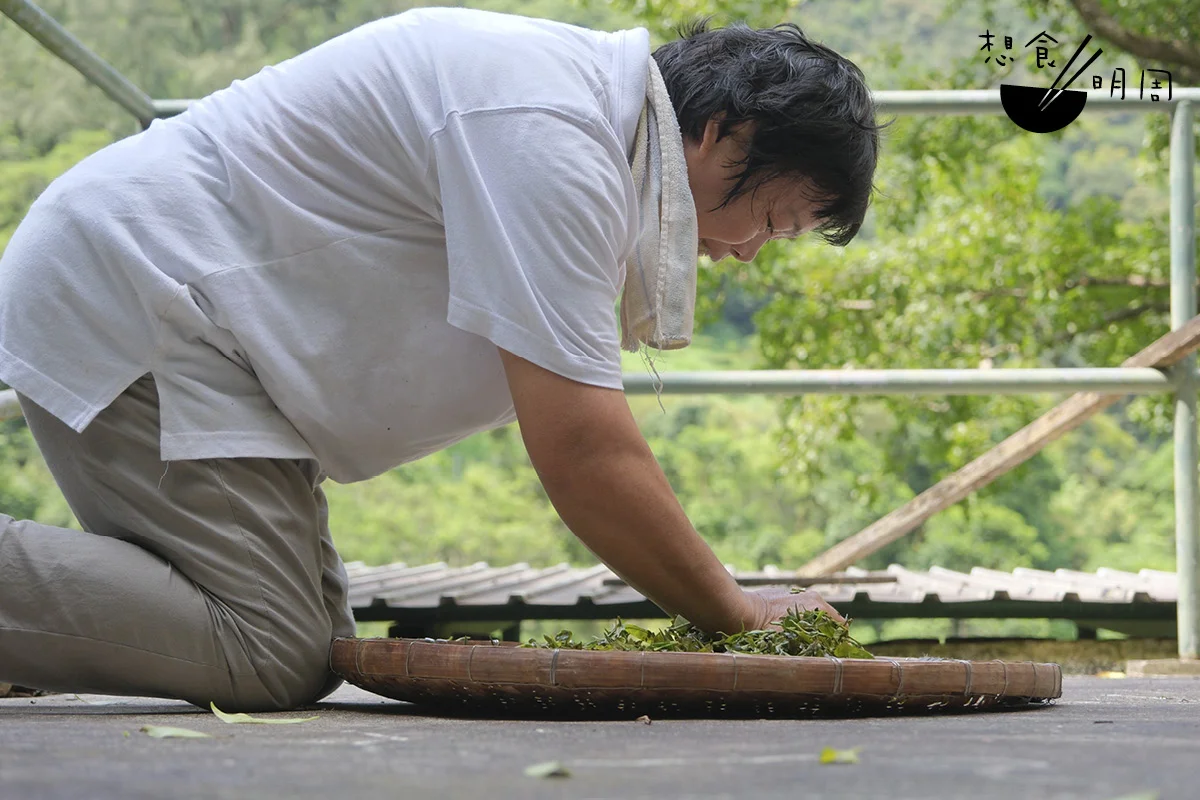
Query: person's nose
{"points": [[746, 251]]}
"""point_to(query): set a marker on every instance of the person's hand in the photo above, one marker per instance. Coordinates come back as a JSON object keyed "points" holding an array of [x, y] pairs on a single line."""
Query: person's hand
{"points": [[773, 603]]}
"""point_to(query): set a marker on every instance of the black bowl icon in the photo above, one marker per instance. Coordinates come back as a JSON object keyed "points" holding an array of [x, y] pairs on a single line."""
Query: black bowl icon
{"points": [[1021, 103]]}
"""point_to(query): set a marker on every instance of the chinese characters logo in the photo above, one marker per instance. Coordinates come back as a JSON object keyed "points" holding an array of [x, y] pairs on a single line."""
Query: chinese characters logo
{"points": [[1040, 110]]}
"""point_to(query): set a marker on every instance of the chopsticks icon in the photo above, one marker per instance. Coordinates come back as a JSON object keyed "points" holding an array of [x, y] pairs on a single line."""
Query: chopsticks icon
{"points": [[1052, 94]]}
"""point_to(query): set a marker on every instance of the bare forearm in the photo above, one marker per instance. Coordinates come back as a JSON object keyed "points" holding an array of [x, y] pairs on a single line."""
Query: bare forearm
{"points": [[616, 499], [607, 487]]}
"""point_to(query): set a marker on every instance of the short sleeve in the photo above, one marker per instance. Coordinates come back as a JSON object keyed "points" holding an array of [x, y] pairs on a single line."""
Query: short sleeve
{"points": [[538, 209]]}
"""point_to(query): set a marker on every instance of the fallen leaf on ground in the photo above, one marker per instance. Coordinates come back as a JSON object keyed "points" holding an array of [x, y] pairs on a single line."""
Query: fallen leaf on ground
{"points": [[165, 732], [548, 769], [83, 699], [831, 756], [239, 719], [644, 718], [1110, 674]]}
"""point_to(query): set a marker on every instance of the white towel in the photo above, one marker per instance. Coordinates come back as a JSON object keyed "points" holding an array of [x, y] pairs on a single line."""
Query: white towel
{"points": [[659, 301]]}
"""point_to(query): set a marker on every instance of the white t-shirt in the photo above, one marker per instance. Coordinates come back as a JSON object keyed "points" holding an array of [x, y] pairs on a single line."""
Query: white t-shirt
{"points": [[321, 260]]}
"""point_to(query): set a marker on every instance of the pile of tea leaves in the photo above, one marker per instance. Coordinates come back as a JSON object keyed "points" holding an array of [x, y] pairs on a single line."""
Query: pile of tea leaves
{"points": [[810, 632]]}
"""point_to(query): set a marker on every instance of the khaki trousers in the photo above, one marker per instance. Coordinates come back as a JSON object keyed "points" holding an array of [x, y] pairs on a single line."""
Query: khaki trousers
{"points": [[211, 580]]}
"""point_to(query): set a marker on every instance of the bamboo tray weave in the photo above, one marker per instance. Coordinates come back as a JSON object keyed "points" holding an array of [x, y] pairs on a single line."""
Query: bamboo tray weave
{"points": [[499, 678]]}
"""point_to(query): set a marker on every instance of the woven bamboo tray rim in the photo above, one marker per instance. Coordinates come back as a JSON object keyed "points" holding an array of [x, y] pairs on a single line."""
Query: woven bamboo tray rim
{"points": [[501, 673]]}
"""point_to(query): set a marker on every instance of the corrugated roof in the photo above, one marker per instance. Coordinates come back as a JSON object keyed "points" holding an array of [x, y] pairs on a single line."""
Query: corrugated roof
{"points": [[437, 592]]}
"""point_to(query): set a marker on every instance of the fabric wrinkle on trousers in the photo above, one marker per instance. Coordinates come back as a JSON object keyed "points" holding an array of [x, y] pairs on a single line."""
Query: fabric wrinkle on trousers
{"points": [[208, 581]]}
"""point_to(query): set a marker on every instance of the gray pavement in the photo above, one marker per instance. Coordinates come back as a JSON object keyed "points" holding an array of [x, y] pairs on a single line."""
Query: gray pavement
{"points": [[1106, 738]]}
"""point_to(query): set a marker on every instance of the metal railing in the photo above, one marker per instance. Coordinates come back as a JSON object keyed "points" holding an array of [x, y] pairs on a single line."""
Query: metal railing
{"points": [[1183, 381], [100, 73], [1112, 380]]}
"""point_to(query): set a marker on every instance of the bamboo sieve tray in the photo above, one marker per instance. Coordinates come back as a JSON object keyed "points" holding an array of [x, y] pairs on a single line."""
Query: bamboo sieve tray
{"points": [[499, 678]]}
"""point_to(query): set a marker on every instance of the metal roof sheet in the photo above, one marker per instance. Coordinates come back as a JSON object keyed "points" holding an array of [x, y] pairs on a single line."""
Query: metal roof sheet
{"points": [[519, 591]]}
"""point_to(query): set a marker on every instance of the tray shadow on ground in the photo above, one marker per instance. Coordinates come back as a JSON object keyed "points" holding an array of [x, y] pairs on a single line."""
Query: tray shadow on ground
{"points": [[398, 708]]}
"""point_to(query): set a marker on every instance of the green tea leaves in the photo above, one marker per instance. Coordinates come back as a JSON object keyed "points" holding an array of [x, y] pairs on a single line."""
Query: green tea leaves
{"points": [[851, 649], [810, 632]]}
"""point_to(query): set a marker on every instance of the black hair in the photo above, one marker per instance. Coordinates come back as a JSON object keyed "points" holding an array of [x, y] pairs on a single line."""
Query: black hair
{"points": [[811, 114]]}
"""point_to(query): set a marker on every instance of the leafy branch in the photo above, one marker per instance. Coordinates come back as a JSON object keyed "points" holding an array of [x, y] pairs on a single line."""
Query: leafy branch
{"points": [[1121, 315], [1183, 55]]}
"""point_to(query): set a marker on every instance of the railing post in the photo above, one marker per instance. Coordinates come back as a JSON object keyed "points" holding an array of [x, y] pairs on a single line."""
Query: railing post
{"points": [[1183, 308]]}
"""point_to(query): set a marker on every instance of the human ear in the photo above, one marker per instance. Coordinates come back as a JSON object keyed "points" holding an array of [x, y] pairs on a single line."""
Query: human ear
{"points": [[710, 137]]}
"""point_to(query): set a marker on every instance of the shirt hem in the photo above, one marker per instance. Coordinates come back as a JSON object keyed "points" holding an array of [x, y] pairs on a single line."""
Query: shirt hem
{"points": [[230, 444], [72, 410]]}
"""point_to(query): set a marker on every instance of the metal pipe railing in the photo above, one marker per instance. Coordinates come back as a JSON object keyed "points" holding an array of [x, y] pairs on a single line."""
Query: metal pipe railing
{"points": [[1183, 308], [100, 73], [1101, 380], [937, 102], [1116, 380], [9, 407], [942, 102]]}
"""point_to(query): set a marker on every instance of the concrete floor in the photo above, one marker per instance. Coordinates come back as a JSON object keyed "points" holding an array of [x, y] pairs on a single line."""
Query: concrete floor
{"points": [[1106, 738]]}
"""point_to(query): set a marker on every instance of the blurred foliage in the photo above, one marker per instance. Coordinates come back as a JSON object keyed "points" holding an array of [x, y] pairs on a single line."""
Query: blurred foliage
{"points": [[985, 247], [26, 489], [1073, 286], [25, 173]]}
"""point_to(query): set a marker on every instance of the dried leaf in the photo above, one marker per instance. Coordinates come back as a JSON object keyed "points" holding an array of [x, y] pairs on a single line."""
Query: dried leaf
{"points": [[83, 699], [644, 718], [548, 769], [165, 732], [831, 756], [242, 719]]}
